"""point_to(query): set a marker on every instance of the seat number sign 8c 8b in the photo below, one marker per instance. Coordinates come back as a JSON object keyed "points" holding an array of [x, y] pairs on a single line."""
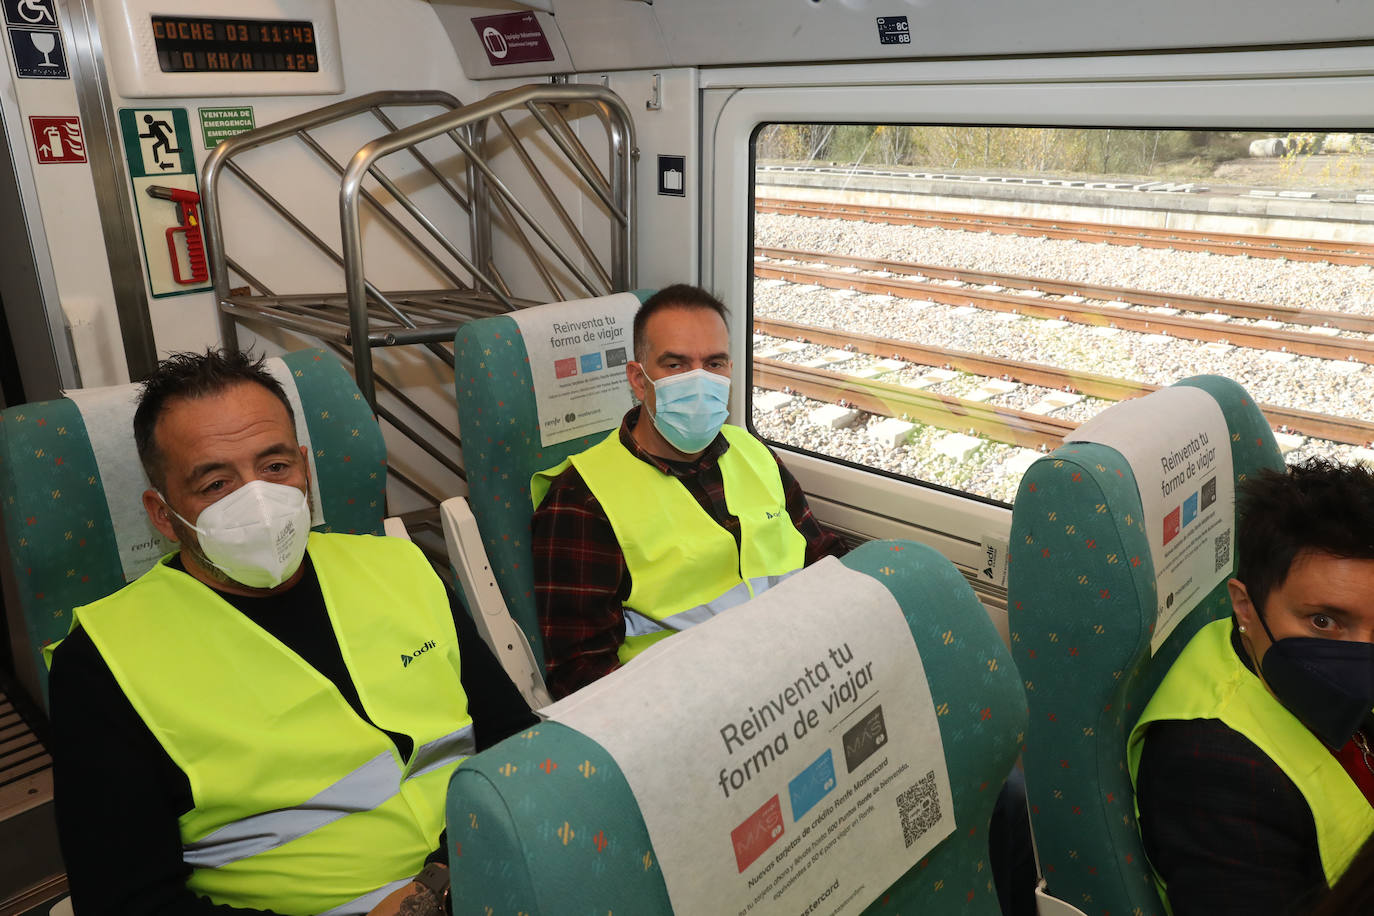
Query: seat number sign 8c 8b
{"points": [[893, 30]]}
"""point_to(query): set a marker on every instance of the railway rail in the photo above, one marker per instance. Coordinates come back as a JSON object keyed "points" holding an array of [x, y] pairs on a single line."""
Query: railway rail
{"points": [[887, 399], [1358, 349], [1231, 308], [1002, 424], [1227, 243]]}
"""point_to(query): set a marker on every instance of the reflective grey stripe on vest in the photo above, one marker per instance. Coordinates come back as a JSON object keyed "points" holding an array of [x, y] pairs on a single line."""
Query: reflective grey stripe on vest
{"points": [[366, 788], [443, 751], [362, 790], [365, 904], [636, 624]]}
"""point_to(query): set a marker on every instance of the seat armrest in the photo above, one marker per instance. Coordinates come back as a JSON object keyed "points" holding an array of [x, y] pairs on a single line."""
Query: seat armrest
{"points": [[488, 608], [1045, 905], [394, 527]]}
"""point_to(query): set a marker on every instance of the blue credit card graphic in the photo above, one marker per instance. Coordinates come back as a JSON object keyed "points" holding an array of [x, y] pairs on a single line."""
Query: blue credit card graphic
{"points": [[812, 784]]}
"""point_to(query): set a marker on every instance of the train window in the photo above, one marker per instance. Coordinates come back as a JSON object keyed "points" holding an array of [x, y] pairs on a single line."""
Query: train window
{"points": [[943, 303]]}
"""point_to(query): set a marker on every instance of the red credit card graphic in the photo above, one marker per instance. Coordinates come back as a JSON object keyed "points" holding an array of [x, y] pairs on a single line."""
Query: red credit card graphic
{"points": [[1171, 525], [759, 831]]}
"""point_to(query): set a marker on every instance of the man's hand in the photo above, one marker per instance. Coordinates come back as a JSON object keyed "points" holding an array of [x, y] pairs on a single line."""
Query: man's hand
{"points": [[412, 900]]}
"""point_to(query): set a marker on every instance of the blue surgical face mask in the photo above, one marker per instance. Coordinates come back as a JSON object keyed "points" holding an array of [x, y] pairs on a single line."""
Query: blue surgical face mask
{"points": [[690, 408]]}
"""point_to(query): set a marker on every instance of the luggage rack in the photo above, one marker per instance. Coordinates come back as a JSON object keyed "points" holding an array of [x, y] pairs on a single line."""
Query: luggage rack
{"points": [[483, 178]]}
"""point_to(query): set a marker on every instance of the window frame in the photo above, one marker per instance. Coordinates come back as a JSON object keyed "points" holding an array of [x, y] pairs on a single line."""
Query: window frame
{"points": [[1282, 89]]}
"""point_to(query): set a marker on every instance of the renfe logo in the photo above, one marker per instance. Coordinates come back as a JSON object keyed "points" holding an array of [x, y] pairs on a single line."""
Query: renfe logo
{"points": [[407, 659]]}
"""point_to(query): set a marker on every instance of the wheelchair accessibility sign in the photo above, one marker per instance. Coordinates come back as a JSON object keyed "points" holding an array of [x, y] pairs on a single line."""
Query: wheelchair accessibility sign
{"points": [[36, 39]]}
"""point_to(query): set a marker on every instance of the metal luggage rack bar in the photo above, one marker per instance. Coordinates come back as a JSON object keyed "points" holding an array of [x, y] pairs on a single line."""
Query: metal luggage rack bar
{"points": [[359, 316], [492, 198]]}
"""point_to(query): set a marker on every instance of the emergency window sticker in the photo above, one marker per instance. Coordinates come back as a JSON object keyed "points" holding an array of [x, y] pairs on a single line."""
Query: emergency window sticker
{"points": [[219, 124]]}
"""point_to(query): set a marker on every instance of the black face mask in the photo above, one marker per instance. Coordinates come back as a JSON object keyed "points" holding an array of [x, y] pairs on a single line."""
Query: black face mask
{"points": [[1327, 683]]}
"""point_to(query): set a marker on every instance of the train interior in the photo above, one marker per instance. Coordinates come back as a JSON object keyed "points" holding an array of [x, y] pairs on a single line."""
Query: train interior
{"points": [[948, 235]]}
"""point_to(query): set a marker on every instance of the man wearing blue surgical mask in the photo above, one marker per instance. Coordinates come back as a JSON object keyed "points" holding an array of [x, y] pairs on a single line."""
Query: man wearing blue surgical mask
{"points": [[266, 721], [673, 519], [1253, 764]]}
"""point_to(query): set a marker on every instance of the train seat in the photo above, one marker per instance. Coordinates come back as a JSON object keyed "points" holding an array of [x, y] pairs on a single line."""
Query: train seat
{"points": [[70, 485], [1083, 607], [545, 822], [487, 533]]}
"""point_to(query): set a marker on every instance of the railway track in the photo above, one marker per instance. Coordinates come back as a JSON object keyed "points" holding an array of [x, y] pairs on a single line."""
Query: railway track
{"points": [[1227, 243], [1199, 329], [887, 399], [1002, 424], [1231, 308]]}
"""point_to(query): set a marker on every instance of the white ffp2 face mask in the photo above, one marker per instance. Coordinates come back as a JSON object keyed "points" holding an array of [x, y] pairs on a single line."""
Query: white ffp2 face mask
{"points": [[255, 535]]}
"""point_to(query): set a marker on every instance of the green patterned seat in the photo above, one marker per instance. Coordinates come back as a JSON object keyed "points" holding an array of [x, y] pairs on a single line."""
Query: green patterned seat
{"points": [[544, 823], [1082, 608], [502, 451], [61, 540]]}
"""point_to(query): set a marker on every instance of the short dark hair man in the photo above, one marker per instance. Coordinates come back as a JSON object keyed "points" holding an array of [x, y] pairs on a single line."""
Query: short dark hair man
{"points": [[237, 729], [675, 518], [1252, 763]]}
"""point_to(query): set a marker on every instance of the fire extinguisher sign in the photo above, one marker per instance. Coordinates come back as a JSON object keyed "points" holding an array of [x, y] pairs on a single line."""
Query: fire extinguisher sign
{"points": [[162, 168], [57, 139]]}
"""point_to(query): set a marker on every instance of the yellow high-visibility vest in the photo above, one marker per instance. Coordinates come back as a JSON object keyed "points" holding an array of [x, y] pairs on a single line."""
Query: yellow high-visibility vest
{"points": [[1208, 681], [684, 567], [300, 806]]}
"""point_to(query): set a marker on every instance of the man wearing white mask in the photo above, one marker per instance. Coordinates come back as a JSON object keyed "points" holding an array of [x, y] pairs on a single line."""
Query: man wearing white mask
{"points": [[674, 519], [266, 721]]}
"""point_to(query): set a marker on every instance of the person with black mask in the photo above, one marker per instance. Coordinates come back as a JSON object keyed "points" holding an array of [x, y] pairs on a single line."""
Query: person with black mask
{"points": [[1252, 763]]}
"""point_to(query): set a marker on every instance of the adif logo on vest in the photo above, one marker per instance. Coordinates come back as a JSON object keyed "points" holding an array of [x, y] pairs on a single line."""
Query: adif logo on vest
{"points": [[407, 659]]}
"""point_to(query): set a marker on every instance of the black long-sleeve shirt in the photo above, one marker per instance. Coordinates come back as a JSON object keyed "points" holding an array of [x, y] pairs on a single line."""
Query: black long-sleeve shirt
{"points": [[119, 794], [1223, 824]]}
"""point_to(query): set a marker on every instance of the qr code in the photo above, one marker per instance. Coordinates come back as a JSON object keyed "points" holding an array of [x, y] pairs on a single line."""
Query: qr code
{"points": [[1223, 548], [919, 808]]}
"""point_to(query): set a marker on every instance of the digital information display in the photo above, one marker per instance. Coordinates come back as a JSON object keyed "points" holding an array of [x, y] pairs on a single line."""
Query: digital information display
{"points": [[202, 45]]}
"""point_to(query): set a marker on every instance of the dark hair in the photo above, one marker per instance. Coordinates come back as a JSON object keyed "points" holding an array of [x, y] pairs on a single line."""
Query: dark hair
{"points": [[1318, 505], [191, 376], [677, 296]]}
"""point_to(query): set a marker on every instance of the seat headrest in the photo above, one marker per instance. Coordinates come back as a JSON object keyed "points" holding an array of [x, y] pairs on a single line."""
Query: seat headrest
{"points": [[108, 414], [786, 751], [577, 353], [1178, 447]]}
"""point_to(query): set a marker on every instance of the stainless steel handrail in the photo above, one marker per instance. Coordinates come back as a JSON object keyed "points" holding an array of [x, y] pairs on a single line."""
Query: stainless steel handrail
{"points": [[620, 130], [360, 313], [220, 157]]}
